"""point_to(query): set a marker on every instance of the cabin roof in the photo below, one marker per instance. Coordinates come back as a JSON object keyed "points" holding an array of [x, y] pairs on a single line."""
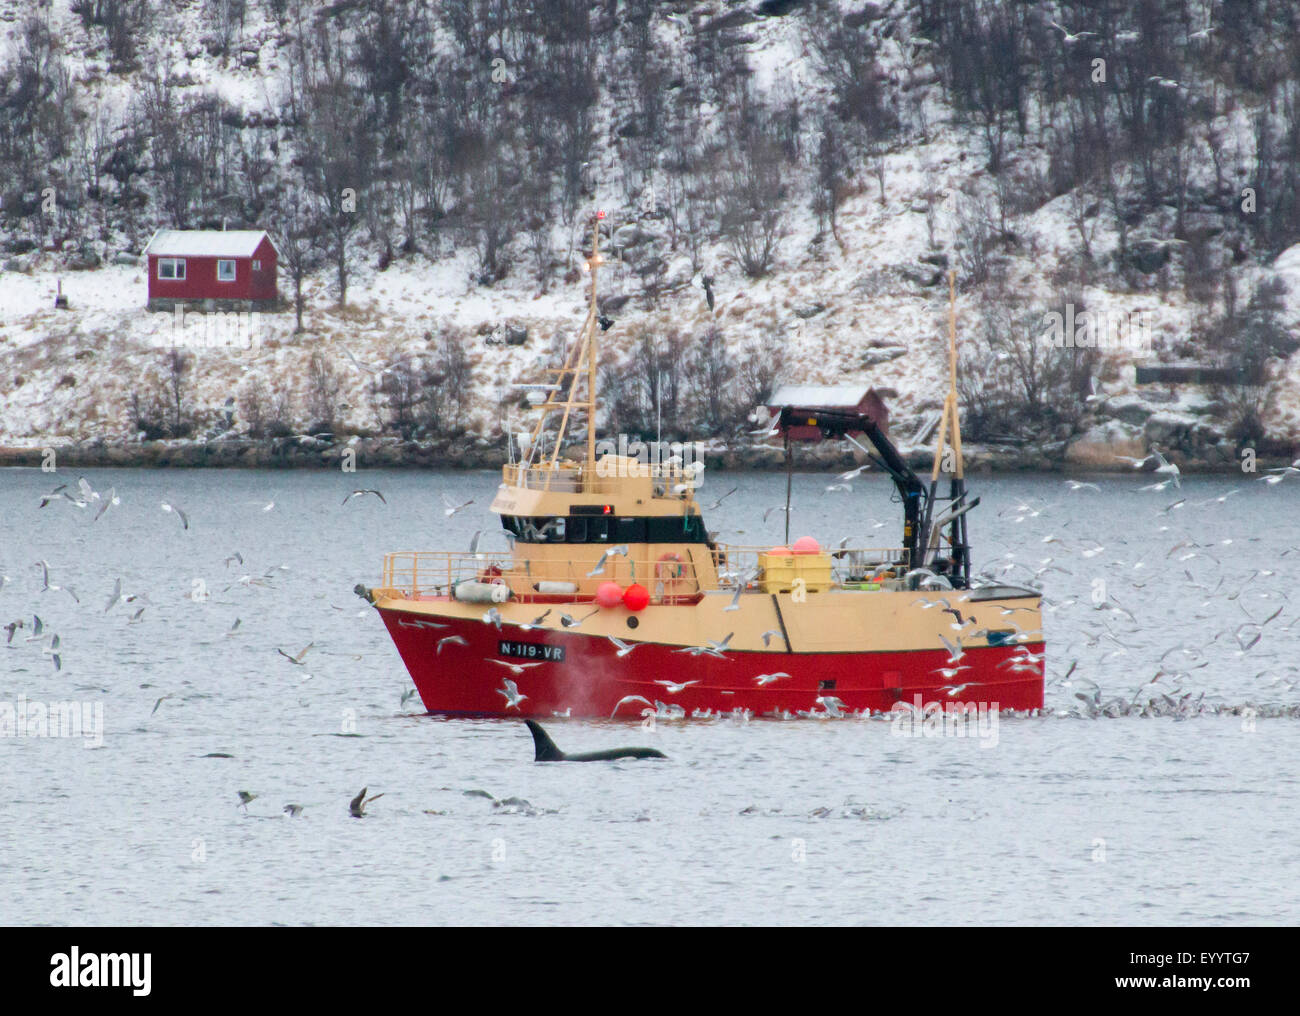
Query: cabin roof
{"points": [[820, 396], [213, 243]]}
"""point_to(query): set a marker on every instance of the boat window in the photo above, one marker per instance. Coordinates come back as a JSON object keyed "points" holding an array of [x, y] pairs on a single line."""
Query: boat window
{"points": [[631, 530], [598, 530], [674, 529], [577, 530]]}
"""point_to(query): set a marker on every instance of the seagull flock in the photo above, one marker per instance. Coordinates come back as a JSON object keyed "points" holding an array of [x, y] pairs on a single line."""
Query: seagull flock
{"points": [[1143, 612]]}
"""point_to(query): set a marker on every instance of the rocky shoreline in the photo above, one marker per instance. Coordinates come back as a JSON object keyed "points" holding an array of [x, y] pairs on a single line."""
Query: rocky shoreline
{"points": [[303, 452]]}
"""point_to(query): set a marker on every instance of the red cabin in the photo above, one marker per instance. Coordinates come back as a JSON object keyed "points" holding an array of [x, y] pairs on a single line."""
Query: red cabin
{"points": [[220, 269]]}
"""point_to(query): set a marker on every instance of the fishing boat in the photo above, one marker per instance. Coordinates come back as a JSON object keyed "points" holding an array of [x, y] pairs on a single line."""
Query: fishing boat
{"points": [[615, 601]]}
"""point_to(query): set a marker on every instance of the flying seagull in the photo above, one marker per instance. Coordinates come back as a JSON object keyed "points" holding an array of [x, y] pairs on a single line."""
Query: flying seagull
{"points": [[297, 660], [452, 509], [185, 519], [357, 806], [514, 668], [512, 694], [362, 493]]}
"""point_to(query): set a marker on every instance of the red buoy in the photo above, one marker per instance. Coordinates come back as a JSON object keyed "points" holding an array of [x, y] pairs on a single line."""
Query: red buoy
{"points": [[609, 594], [637, 597]]}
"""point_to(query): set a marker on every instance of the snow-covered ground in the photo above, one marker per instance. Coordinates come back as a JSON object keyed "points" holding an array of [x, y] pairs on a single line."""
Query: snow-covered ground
{"points": [[68, 375]]}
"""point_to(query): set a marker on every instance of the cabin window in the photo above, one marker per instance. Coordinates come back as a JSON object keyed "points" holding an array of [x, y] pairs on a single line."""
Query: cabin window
{"points": [[171, 268], [225, 271], [630, 530], [257, 265], [674, 529]]}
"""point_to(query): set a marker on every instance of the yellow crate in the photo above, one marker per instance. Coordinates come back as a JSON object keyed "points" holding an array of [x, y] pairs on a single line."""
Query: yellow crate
{"points": [[779, 572]]}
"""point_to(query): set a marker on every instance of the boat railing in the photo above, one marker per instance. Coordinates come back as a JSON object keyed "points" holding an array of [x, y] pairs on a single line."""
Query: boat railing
{"points": [[849, 565], [610, 478], [667, 578]]}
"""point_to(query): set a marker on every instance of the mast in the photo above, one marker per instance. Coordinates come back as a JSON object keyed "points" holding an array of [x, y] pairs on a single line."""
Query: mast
{"points": [[949, 437], [582, 357]]}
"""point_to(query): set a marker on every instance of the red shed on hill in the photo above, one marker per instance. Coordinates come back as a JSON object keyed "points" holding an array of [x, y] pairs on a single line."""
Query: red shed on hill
{"points": [[222, 269], [852, 398]]}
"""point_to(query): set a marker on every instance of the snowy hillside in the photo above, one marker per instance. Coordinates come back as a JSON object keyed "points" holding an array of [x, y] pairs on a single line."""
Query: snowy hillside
{"points": [[862, 234]]}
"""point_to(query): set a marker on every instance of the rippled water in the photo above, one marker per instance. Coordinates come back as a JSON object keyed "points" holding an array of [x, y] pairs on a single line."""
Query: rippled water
{"points": [[1066, 818]]}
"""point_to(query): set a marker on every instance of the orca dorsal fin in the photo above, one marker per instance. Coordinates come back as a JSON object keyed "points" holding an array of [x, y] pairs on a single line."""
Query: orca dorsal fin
{"points": [[543, 745]]}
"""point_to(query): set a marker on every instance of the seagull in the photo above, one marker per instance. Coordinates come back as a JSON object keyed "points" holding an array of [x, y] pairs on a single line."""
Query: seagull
{"points": [[514, 668], [116, 596], [452, 509], [629, 698], [765, 679], [623, 647], [948, 673], [11, 627], [600, 564], [406, 697], [362, 493], [1076, 485], [512, 694], [357, 806], [735, 598], [492, 616], [55, 494], [768, 635], [1070, 39], [719, 501], [245, 798], [53, 653], [837, 486], [47, 586], [535, 622], [832, 705], [431, 625], [1166, 467], [158, 703], [455, 640], [956, 689], [236, 556], [955, 652], [293, 810], [297, 660], [775, 508], [109, 501], [673, 688], [570, 622], [185, 520]]}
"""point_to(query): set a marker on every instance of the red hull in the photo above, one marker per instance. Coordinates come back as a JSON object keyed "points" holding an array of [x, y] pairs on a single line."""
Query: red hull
{"points": [[591, 679]]}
